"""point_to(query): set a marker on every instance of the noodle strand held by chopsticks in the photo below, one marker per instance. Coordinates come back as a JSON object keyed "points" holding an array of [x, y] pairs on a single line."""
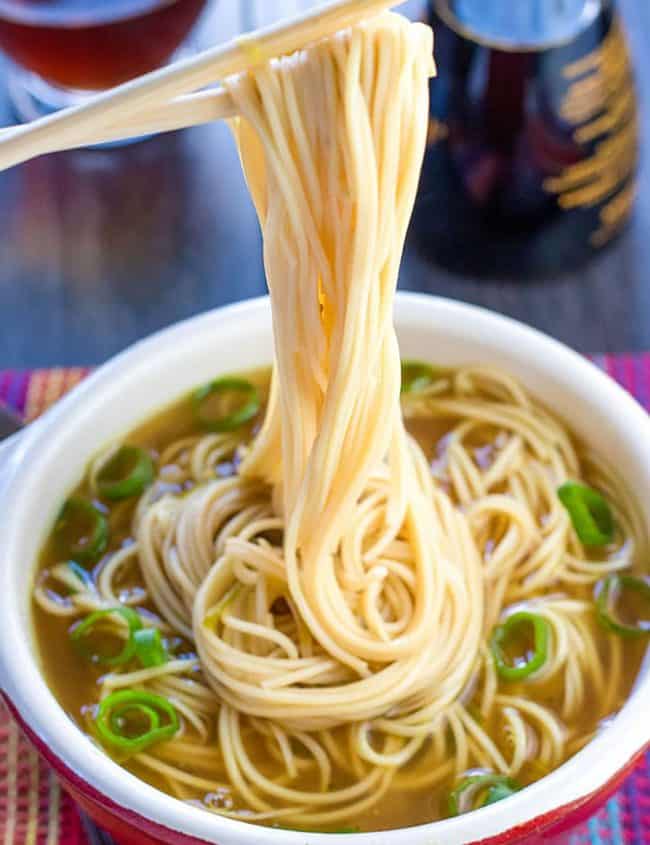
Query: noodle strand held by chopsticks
{"points": [[331, 141]]}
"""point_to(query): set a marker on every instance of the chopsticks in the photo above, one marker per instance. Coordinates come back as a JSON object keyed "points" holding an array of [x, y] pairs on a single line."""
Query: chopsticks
{"points": [[162, 100], [182, 112]]}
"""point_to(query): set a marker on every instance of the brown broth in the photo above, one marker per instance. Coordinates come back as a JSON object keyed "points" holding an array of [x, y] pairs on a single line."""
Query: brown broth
{"points": [[74, 681]]}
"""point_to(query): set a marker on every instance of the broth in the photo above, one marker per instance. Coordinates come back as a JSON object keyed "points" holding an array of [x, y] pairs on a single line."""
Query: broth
{"points": [[75, 682]]}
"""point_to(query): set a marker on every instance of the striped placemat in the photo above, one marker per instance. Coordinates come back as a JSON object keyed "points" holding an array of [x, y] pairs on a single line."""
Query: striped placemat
{"points": [[35, 811]]}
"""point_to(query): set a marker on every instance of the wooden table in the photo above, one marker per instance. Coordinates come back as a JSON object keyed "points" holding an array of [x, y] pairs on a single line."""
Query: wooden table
{"points": [[98, 249]]}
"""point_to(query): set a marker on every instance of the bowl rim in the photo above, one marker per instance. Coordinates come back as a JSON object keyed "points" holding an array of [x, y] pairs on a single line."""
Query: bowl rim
{"points": [[590, 769]]}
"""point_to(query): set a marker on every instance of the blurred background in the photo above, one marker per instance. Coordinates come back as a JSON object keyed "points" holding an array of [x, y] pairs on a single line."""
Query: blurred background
{"points": [[534, 201]]}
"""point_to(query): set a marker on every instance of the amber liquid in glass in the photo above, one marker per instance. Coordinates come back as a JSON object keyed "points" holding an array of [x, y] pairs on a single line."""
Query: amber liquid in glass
{"points": [[94, 44]]}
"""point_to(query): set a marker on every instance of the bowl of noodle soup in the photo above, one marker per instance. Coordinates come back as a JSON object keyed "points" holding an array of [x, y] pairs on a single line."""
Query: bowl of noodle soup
{"points": [[333, 562], [49, 459]]}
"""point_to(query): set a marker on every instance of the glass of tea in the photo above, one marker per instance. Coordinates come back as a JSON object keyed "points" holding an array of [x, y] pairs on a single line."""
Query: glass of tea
{"points": [[63, 50]]}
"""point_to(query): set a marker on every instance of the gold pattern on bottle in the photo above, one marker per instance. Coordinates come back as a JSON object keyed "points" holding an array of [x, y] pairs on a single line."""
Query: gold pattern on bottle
{"points": [[621, 112], [601, 104], [614, 213]]}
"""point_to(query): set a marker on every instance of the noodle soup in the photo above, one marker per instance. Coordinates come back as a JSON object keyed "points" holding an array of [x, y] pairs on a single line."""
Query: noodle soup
{"points": [[353, 595], [499, 458]]}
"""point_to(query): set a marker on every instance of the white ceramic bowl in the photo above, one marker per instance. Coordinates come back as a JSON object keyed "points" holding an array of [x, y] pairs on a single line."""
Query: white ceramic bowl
{"points": [[49, 458]]}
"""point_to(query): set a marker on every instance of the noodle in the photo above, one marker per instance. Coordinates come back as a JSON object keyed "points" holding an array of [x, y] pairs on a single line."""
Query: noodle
{"points": [[376, 674]]}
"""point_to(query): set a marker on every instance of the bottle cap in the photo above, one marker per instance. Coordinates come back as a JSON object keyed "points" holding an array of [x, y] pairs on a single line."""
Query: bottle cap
{"points": [[519, 24]]}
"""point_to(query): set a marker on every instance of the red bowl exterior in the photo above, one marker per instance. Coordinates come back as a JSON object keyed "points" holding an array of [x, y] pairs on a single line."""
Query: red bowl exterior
{"points": [[130, 828]]}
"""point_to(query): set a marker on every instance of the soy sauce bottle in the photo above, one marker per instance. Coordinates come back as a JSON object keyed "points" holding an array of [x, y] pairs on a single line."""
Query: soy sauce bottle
{"points": [[532, 145]]}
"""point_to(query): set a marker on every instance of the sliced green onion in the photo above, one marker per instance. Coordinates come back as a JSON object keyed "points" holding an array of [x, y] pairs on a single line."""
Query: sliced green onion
{"points": [[498, 792], [149, 647], [126, 474], [479, 791], [81, 531], [609, 593], [417, 376], [590, 513], [528, 664], [113, 712], [80, 633], [118, 714], [213, 617], [228, 389]]}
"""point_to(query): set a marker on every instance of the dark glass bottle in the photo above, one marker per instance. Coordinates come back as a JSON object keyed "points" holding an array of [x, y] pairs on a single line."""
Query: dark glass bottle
{"points": [[532, 148]]}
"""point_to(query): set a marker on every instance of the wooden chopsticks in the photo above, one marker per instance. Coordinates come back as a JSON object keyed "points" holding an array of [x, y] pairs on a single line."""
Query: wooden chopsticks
{"points": [[163, 100], [188, 110]]}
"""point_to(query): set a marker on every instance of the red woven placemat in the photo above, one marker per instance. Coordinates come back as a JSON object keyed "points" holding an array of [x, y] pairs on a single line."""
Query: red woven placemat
{"points": [[35, 811]]}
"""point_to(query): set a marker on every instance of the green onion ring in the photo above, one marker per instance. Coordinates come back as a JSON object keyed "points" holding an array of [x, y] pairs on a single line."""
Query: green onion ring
{"points": [[78, 633], [114, 484], [608, 591], [229, 422], [497, 787], [119, 712], [91, 548], [500, 634], [149, 647], [416, 376], [590, 513], [124, 701]]}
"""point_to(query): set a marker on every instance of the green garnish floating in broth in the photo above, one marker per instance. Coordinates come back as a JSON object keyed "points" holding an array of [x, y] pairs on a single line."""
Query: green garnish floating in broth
{"points": [[621, 596], [95, 626], [126, 473], [145, 644], [149, 647], [513, 632], [590, 513], [417, 376], [131, 720], [81, 530], [479, 791], [237, 401]]}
